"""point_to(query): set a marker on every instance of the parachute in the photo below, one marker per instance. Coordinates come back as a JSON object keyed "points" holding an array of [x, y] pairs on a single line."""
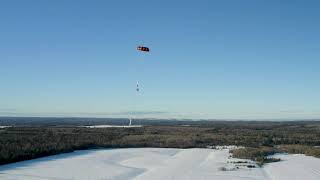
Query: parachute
{"points": [[142, 48]]}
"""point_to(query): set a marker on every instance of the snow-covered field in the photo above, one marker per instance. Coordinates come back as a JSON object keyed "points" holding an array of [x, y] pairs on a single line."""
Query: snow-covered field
{"points": [[294, 167], [156, 163], [112, 126], [4, 127]]}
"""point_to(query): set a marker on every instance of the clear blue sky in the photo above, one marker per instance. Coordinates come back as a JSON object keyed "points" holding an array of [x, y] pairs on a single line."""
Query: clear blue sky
{"points": [[209, 59]]}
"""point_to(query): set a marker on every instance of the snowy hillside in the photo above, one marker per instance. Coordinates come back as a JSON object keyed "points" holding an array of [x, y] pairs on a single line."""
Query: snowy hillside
{"points": [[156, 163]]}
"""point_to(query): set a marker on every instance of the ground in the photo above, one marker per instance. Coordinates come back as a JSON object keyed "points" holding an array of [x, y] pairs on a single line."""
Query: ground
{"points": [[158, 163]]}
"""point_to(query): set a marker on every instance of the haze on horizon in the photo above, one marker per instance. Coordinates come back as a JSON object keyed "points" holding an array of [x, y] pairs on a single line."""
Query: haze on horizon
{"points": [[251, 59]]}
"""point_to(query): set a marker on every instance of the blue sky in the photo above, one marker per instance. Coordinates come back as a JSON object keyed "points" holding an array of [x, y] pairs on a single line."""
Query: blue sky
{"points": [[249, 59]]}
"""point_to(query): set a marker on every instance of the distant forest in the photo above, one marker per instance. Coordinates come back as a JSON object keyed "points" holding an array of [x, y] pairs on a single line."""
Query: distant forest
{"points": [[29, 138], [77, 121]]}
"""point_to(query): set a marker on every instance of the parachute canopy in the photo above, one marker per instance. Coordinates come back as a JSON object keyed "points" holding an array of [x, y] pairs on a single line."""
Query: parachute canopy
{"points": [[142, 48]]}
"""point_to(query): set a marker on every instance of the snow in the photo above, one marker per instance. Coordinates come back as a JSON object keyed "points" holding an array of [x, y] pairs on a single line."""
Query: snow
{"points": [[294, 167], [158, 163], [1, 127], [113, 126]]}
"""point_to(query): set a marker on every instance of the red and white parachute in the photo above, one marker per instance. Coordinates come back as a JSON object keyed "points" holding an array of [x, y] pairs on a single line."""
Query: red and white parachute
{"points": [[143, 49]]}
